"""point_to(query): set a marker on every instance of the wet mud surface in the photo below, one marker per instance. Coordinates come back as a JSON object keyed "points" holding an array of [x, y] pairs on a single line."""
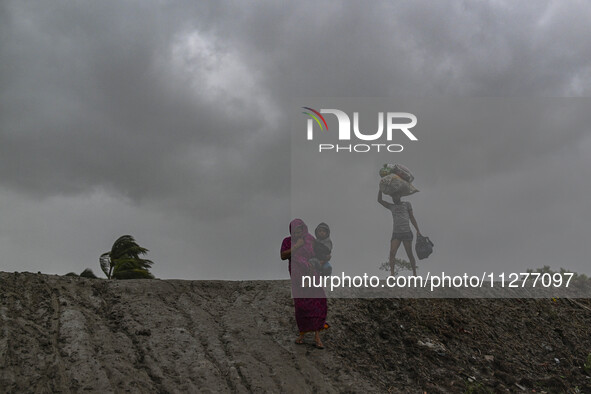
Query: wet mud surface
{"points": [[70, 334]]}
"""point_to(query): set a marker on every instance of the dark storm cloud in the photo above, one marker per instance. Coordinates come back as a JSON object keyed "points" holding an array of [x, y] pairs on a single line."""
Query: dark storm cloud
{"points": [[92, 99], [88, 89], [419, 48]]}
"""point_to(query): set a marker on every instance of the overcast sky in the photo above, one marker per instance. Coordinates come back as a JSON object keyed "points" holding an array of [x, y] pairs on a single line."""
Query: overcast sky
{"points": [[169, 121]]}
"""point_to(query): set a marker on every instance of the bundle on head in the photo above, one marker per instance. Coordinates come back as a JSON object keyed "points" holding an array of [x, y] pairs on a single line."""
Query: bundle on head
{"points": [[397, 169], [394, 185]]}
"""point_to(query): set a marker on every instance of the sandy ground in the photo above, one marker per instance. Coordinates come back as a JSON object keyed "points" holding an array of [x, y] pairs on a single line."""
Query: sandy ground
{"points": [[70, 334]]}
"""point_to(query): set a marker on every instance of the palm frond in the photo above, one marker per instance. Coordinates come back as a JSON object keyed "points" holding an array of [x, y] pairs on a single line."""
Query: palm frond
{"points": [[105, 263], [124, 261], [126, 246]]}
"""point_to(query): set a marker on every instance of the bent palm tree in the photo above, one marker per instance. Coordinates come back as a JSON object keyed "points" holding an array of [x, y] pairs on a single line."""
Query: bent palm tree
{"points": [[124, 261]]}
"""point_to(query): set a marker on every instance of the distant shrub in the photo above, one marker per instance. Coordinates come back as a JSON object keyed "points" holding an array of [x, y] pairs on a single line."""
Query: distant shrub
{"points": [[87, 273], [580, 281], [547, 270]]}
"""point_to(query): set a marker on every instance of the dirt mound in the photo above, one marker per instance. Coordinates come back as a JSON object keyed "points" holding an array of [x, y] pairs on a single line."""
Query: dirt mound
{"points": [[73, 334]]}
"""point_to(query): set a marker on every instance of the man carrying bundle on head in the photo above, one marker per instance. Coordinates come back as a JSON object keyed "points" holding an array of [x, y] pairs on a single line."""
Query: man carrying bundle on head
{"points": [[402, 214]]}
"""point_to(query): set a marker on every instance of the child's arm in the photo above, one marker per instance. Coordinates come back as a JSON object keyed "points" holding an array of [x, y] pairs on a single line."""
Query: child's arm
{"points": [[413, 221], [381, 200]]}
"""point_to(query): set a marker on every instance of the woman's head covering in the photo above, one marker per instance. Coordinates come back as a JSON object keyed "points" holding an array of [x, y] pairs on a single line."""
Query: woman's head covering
{"points": [[300, 263], [322, 226], [306, 251], [298, 223]]}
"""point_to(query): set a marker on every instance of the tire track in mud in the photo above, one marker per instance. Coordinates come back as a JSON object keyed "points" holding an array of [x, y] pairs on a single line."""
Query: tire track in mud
{"points": [[204, 316], [185, 325], [253, 313], [227, 335], [54, 337], [78, 331], [249, 309], [112, 314], [207, 322], [180, 331], [21, 332]]}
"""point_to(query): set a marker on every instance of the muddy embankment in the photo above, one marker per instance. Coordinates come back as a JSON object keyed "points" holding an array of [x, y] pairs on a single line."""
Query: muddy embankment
{"points": [[70, 334]]}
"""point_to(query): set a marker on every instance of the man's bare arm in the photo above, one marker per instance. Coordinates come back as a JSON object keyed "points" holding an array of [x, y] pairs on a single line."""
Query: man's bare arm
{"points": [[381, 200]]}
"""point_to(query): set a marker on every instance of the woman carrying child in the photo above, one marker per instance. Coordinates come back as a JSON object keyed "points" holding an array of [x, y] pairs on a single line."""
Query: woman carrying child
{"points": [[310, 303]]}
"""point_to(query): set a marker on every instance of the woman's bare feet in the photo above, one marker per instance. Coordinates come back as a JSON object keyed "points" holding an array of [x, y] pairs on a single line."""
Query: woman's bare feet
{"points": [[318, 344], [300, 340]]}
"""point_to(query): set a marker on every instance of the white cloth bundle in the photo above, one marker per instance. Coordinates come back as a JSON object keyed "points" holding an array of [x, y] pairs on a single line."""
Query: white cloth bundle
{"points": [[396, 180], [397, 169]]}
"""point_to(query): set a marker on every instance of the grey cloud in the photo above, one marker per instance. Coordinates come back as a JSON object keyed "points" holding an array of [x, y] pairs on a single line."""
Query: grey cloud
{"points": [[419, 48], [92, 102]]}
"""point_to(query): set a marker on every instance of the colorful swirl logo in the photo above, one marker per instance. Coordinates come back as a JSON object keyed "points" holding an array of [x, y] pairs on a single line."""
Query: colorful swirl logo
{"points": [[315, 115]]}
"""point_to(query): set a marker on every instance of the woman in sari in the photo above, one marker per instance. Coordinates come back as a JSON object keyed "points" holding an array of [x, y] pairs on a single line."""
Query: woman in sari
{"points": [[310, 302]]}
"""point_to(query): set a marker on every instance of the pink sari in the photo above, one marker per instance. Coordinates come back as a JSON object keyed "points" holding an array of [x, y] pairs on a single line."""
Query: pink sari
{"points": [[310, 303]]}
